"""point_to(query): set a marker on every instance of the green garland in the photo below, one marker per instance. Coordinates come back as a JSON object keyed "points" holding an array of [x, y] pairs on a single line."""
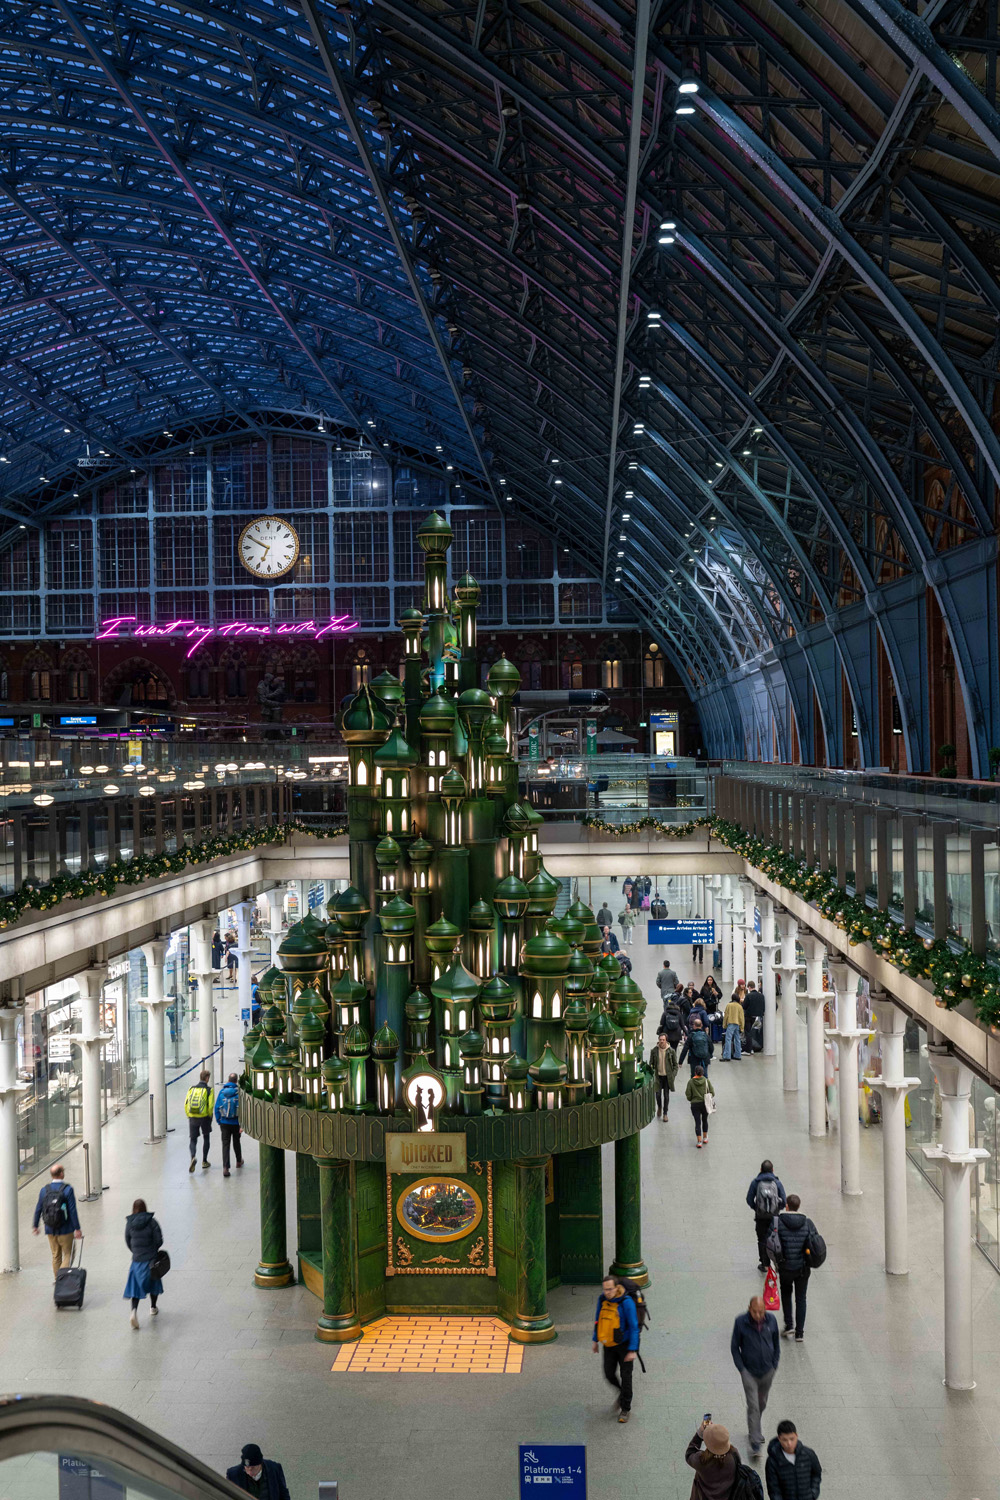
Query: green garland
{"points": [[328, 831], [129, 872], [953, 976], [629, 830]]}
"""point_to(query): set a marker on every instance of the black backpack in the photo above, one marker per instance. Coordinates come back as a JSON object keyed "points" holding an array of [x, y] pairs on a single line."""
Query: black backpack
{"points": [[746, 1485], [815, 1247], [634, 1290], [54, 1212]]}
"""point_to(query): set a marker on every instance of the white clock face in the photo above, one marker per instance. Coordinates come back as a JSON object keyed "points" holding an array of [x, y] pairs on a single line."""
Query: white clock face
{"points": [[268, 547]]}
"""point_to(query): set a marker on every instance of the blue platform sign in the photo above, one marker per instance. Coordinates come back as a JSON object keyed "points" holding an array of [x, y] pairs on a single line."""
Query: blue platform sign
{"points": [[675, 930], [79, 1480], [561, 1468]]}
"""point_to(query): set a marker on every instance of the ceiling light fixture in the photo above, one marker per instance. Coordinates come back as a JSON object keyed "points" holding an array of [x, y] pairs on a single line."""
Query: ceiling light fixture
{"points": [[684, 109], [688, 84]]}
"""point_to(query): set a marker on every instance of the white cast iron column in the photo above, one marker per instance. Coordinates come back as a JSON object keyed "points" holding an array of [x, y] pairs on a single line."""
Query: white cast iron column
{"points": [[155, 953], [789, 971], [893, 1086], [815, 1001], [10, 1244], [847, 1036], [91, 1040]]}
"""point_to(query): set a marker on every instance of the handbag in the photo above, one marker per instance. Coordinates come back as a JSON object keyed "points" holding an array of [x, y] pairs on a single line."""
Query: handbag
{"points": [[160, 1265], [772, 1298], [710, 1104]]}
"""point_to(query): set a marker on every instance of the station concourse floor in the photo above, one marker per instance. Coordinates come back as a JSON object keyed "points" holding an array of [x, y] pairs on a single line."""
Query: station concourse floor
{"points": [[227, 1364]]}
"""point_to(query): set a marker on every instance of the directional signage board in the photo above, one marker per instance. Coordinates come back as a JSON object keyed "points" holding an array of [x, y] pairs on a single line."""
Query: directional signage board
{"points": [[547, 1469], [675, 930]]}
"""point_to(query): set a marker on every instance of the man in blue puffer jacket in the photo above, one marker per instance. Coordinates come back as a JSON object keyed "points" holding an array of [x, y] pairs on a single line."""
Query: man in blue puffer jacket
{"points": [[227, 1117], [616, 1334]]}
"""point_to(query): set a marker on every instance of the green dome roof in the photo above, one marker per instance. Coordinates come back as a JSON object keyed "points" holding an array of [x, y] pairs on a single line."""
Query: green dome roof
{"points": [[437, 714], [396, 752], [385, 1042], [364, 720], [411, 617], [456, 983], [311, 1030], [418, 1007], [571, 929], [348, 991], [420, 850], [580, 912], [434, 534], [285, 1055], [442, 935], [356, 1041], [547, 1069], [503, 677], [309, 1002], [497, 998], [610, 967], [397, 916], [576, 1016], [544, 956], [453, 783], [387, 688], [475, 706], [387, 853], [313, 925], [352, 910], [601, 1028], [481, 916], [517, 819], [301, 952], [471, 1044], [335, 1072], [467, 589], [515, 1068], [272, 1022], [510, 890]]}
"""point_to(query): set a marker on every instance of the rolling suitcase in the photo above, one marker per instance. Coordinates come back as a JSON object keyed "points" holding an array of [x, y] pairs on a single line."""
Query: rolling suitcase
{"points": [[71, 1282]]}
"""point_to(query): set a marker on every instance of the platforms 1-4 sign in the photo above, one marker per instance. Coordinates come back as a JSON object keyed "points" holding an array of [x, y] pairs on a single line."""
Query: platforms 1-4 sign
{"points": [[555, 1470], [674, 930]]}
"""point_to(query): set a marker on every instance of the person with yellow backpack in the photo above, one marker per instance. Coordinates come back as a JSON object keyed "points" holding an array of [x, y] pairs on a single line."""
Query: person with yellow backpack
{"points": [[616, 1335], [198, 1103]]}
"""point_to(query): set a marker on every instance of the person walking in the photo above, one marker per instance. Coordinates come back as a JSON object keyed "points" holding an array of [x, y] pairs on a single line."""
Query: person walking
{"points": [[753, 1010], [698, 1087], [56, 1208], [257, 1475], [657, 907], [697, 1046], [672, 1023], [609, 943], [794, 1230], [792, 1471], [227, 1117], [663, 1066], [734, 1021], [218, 949], [198, 1102], [715, 1465], [604, 917], [232, 956], [626, 921], [666, 980], [144, 1237], [616, 1333], [756, 1350], [766, 1197]]}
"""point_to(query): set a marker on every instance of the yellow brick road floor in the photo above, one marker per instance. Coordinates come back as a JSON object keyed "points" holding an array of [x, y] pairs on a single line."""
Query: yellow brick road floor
{"points": [[442, 1346]]}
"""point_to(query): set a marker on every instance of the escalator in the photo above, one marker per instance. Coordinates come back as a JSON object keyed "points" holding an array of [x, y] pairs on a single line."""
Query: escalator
{"points": [[64, 1448]]}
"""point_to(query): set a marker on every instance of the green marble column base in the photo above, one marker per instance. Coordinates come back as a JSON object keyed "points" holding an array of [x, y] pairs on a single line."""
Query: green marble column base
{"points": [[637, 1272], [532, 1330], [337, 1330], [274, 1276]]}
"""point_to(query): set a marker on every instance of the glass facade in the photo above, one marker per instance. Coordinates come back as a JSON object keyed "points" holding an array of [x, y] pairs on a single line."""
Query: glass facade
{"points": [[924, 1128]]}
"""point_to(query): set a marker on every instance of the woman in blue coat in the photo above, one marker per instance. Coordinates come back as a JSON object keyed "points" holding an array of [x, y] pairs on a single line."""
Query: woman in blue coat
{"points": [[144, 1237]]}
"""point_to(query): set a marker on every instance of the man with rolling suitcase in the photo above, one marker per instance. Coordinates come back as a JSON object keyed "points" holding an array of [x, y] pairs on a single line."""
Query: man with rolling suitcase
{"points": [[56, 1209]]}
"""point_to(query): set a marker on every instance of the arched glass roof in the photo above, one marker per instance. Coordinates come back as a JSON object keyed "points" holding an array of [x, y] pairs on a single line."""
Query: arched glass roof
{"points": [[709, 288]]}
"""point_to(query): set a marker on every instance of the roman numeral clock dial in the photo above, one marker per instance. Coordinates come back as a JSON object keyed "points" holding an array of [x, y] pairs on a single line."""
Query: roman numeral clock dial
{"points": [[268, 547]]}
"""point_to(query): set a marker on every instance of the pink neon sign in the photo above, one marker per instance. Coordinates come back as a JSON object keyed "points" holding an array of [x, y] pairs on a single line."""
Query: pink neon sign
{"points": [[189, 630]]}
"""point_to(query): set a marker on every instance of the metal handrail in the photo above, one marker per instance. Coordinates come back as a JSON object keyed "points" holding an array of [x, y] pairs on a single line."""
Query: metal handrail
{"points": [[112, 1441]]}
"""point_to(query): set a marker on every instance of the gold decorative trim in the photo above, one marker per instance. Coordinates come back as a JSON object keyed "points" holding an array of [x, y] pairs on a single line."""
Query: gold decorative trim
{"points": [[398, 1266], [439, 1239]]}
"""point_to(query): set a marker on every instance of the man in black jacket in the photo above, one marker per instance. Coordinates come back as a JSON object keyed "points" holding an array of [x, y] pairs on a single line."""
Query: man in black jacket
{"points": [[257, 1475], [756, 1351], [765, 1204], [753, 1010], [792, 1471], [793, 1267]]}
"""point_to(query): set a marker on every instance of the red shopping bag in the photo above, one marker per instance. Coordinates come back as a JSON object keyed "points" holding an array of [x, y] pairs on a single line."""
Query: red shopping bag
{"points": [[772, 1300]]}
